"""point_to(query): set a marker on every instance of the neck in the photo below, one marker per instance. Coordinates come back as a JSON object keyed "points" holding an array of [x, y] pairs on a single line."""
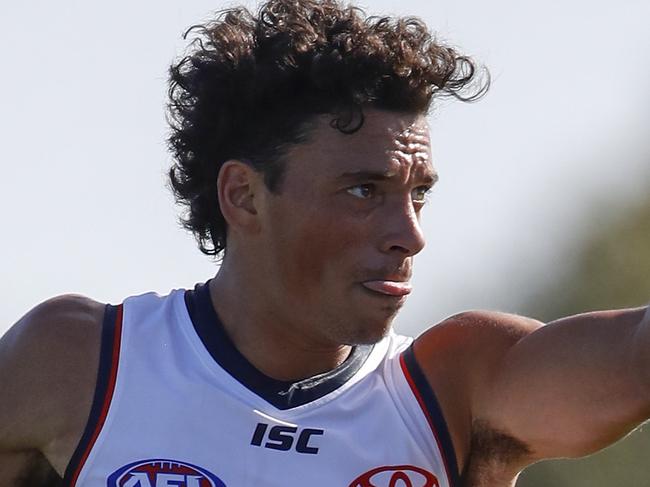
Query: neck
{"points": [[270, 339]]}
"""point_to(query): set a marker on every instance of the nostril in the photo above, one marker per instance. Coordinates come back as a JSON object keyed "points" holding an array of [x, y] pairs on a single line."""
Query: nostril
{"points": [[401, 249], [409, 240]]}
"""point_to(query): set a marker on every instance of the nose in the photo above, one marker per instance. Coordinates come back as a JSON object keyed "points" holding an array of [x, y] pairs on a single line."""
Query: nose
{"points": [[403, 233]]}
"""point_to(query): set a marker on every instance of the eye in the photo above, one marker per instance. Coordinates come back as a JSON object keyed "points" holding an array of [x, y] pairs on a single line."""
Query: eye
{"points": [[420, 194], [362, 191]]}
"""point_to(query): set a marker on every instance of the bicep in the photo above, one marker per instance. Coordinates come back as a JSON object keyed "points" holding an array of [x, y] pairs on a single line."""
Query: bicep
{"points": [[21, 378], [48, 362], [568, 388]]}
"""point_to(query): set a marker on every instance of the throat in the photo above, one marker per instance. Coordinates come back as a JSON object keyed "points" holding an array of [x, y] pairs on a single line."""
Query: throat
{"points": [[279, 342], [281, 361], [284, 372]]}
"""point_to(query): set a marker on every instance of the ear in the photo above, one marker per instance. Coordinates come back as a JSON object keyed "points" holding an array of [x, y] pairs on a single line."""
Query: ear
{"points": [[237, 185]]}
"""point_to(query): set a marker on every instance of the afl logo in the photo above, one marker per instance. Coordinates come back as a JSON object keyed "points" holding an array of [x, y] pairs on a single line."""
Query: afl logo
{"points": [[163, 473], [396, 476]]}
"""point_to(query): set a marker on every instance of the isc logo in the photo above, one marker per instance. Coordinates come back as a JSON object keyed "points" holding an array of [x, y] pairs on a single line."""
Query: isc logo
{"points": [[163, 473], [282, 438]]}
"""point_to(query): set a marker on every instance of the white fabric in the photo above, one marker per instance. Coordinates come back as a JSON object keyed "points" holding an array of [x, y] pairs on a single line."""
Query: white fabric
{"points": [[172, 401]]}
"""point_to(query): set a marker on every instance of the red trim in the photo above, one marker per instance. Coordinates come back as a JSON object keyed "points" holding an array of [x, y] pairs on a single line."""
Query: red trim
{"points": [[115, 356], [424, 409]]}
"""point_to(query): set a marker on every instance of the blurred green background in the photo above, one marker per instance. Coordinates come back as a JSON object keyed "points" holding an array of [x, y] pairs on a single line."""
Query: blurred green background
{"points": [[611, 270]]}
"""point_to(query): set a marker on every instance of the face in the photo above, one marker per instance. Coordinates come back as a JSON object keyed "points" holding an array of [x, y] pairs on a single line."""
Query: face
{"points": [[338, 239]]}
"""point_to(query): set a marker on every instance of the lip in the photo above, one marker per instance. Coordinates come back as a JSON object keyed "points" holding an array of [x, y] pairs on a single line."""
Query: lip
{"points": [[387, 287]]}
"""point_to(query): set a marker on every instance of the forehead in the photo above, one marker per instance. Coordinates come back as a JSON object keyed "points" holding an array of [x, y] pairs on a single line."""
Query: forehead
{"points": [[394, 144]]}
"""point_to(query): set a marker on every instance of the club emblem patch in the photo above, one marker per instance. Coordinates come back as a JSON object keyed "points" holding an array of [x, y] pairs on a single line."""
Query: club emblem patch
{"points": [[396, 476], [163, 473]]}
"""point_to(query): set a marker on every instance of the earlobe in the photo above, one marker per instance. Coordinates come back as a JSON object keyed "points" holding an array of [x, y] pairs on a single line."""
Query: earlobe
{"points": [[236, 186]]}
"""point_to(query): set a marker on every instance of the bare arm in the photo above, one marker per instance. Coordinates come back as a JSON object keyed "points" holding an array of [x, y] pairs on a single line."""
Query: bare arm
{"points": [[48, 366], [514, 390], [571, 387]]}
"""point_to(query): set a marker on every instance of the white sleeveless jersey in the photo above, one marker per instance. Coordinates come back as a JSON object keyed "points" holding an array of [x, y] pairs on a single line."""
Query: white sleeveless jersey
{"points": [[176, 405]]}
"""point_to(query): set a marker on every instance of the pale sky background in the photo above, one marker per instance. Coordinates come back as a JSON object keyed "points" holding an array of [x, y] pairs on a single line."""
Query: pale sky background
{"points": [[560, 137]]}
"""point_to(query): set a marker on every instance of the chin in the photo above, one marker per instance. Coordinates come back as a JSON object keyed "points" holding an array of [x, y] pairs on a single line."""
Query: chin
{"points": [[369, 334]]}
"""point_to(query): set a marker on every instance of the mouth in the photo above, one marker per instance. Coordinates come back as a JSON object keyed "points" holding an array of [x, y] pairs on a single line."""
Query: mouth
{"points": [[395, 289]]}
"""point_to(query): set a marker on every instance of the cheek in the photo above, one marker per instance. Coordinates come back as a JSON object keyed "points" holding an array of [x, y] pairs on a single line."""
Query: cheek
{"points": [[322, 249]]}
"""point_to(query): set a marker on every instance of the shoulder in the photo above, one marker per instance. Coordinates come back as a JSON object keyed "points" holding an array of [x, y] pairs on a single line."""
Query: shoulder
{"points": [[478, 337], [460, 356], [69, 316], [478, 325], [48, 367]]}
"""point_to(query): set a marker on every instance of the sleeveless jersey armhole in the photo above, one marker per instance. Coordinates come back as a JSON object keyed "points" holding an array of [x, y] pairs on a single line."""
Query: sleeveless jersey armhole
{"points": [[106, 375], [428, 402]]}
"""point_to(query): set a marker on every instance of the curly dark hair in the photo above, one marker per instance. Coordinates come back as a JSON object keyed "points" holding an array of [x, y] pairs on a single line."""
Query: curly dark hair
{"points": [[249, 85]]}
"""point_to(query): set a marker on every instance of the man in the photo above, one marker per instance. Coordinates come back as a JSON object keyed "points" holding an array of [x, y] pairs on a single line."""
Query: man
{"points": [[303, 159]]}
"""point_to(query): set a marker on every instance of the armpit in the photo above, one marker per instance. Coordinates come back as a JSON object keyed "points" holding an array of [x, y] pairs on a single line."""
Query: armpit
{"points": [[36, 472], [495, 458]]}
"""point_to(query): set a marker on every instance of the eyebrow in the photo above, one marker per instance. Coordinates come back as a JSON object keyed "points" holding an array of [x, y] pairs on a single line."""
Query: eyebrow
{"points": [[429, 178]]}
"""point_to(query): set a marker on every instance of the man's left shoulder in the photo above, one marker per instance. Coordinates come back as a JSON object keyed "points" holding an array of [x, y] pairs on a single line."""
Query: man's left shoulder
{"points": [[459, 356], [474, 334], [468, 348]]}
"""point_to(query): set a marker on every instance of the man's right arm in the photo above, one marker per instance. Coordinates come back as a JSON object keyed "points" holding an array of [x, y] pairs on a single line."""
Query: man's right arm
{"points": [[48, 370]]}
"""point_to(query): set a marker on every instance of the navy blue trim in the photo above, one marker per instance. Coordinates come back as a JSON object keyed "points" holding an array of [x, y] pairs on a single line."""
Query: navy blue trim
{"points": [[435, 413], [281, 394], [103, 374]]}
